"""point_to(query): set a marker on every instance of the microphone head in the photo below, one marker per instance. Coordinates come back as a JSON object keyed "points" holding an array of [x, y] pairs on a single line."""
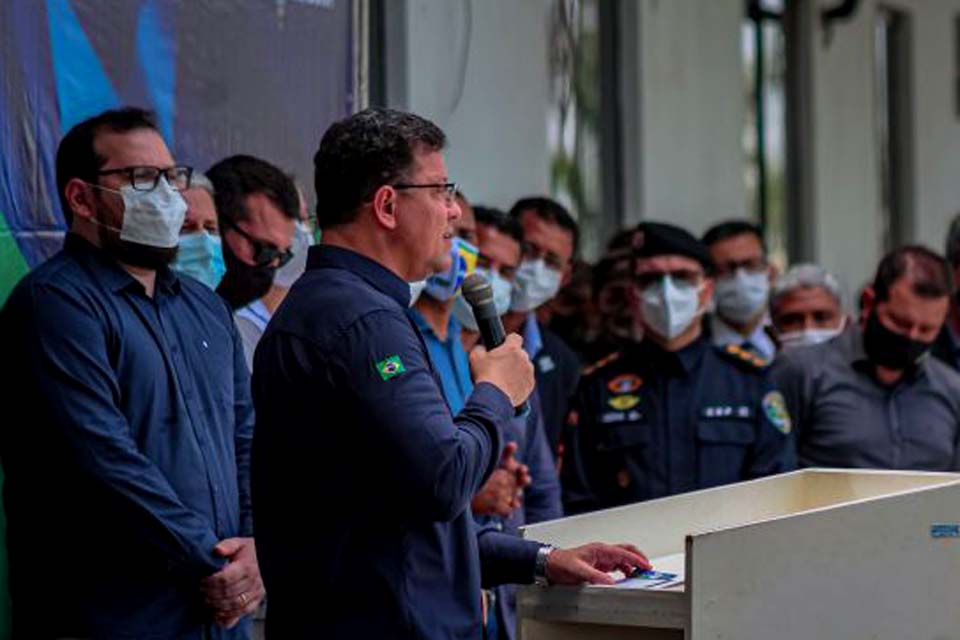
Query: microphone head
{"points": [[476, 290]]}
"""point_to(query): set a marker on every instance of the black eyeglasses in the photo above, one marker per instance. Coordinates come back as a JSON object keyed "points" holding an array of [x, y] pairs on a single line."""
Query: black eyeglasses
{"points": [[447, 189], [143, 178], [264, 254]]}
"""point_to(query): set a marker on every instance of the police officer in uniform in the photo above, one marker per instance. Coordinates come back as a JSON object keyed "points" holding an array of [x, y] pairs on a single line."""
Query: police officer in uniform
{"points": [[672, 413]]}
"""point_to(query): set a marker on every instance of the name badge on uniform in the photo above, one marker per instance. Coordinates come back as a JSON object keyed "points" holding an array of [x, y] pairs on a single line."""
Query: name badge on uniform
{"points": [[725, 411], [611, 417]]}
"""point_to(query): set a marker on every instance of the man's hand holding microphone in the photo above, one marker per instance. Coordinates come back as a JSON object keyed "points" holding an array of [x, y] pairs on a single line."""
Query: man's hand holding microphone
{"points": [[501, 361]]}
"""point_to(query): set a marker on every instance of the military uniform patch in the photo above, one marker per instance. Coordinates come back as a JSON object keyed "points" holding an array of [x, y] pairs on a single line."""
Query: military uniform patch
{"points": [[775, 408], [625, 383], [390, 368], [622, 403]]}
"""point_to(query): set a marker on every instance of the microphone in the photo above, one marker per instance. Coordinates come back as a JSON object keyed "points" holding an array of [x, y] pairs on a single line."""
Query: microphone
{"points": [[479, 294]]}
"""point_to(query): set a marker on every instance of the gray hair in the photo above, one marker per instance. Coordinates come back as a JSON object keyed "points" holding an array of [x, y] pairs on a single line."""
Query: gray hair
{"points": [[806, 276], [199, 180], [952, 249]]}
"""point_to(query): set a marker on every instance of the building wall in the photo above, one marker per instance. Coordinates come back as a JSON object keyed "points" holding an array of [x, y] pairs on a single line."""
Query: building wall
{"points": [[682, 103], [691, 111], [479, 70], [846, 213]]}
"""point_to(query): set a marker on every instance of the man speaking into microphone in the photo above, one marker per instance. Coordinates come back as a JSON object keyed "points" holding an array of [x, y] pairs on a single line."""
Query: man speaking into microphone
{"points": [[362, 477]]}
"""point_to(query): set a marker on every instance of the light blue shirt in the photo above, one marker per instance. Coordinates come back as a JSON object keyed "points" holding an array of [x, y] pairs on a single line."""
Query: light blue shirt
{"points": [[722, 334], [450, 360]]}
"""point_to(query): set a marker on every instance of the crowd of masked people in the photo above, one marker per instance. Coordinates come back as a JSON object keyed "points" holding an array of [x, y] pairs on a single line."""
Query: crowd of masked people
{"points": [[672, 364]]}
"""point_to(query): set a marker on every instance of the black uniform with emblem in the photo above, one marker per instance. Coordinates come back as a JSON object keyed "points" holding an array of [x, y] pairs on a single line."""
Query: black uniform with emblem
{"points": [[648, 423]]}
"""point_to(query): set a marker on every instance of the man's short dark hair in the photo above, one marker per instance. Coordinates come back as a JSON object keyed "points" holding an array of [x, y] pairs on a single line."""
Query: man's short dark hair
{"points": [[239, 176], [551, 211], [360, 154], [927, 270], [500, 221], [732, 228], [76, 155]]}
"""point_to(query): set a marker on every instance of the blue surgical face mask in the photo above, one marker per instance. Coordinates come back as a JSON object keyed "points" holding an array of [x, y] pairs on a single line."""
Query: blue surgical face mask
{"points": [[152, 218], [288, 273], [200, 255], [444, 286], [536, 284], [502, 291]]}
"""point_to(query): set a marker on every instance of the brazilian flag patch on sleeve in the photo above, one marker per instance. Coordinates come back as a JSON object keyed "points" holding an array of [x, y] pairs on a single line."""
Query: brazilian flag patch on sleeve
{"points": [[390, 368]]}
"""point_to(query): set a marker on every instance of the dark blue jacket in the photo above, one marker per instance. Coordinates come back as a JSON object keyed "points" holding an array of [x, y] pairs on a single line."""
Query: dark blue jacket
{"points": [[129, 456], [362, 478], [648, 423]]}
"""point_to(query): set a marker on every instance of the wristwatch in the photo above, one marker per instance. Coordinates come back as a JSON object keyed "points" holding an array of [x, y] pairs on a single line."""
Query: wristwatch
{"points": [[540, 565]]}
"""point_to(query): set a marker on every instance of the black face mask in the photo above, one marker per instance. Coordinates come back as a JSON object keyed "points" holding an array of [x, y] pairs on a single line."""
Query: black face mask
{"points": [[243, 283], [889, 349]]}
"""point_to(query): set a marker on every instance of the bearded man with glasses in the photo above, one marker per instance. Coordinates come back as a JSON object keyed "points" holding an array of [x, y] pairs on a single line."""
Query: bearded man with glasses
{"points": [[128, 490]]}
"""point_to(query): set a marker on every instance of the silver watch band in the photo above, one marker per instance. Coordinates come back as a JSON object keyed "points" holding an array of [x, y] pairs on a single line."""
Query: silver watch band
{"points": [[540, 565]]}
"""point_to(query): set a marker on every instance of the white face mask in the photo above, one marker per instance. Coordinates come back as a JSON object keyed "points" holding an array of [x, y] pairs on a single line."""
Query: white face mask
{"points": [[416, 288], [152, 218], [668, 309], [536, 284], [288, 273], [502, 290], [742, 296], [808, 337]]}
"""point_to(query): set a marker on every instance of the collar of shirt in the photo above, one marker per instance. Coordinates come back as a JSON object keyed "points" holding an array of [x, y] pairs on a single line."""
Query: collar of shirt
{"points": [[108, 271], [683, 361], [453, 327], [723, 334], [532, 340], [257, 313], [386, 281]]}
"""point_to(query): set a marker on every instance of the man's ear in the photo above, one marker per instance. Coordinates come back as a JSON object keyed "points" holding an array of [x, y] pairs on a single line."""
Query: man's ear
{"points": [[706, 294], [772, 272], [868, 302], [385, 202], [79, 197], [567, 274]]}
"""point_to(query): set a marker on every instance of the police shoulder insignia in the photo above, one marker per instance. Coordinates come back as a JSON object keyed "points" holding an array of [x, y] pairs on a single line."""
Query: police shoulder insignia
{"points": [[625, 383], [390, 367], [739, 354], [775, 408], [599, 364]]}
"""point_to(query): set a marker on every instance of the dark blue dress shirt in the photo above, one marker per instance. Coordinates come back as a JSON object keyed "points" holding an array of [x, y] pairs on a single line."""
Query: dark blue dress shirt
{"points": [[362, 477], [131, 458]]}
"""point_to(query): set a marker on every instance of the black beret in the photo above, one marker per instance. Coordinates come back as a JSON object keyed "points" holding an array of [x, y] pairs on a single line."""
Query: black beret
{"points": [[658, 239]]}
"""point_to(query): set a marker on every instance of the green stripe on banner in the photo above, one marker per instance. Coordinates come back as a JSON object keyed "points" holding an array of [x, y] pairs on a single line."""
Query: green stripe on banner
{"points": [[12, 267], [12, 264]]}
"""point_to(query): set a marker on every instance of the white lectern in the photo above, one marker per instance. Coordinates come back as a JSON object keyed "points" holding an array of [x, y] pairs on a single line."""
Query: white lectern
{"points": [[812, 555]]}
